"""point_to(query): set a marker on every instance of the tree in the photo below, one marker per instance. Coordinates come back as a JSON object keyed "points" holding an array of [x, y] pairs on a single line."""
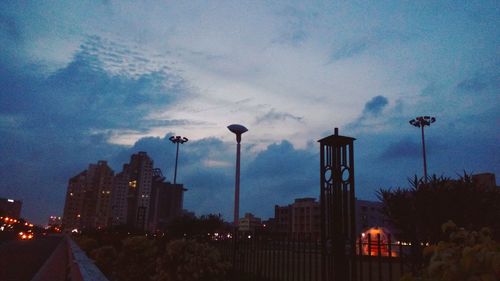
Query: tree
{"points": [[193, 227], [418, 212]]}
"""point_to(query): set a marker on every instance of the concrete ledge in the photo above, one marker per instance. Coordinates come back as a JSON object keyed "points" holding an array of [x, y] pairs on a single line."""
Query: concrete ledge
{"points": [[69, 262], [82, 268]]}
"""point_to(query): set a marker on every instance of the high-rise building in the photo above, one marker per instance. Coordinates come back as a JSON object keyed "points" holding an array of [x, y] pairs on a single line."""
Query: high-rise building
{"points": [[88, 198], [166, 202], [140, 175], [10, 208], [96, 198], [119, 195]]}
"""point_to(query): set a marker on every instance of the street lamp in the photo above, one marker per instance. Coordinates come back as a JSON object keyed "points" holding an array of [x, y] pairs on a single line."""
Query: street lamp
{"points": [[421, 122], [177, 140], [238, 130]]}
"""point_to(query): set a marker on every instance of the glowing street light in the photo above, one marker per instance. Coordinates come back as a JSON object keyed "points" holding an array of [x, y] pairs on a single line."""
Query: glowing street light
{"points": [[421, 122], [177, 140], [238, 130]]}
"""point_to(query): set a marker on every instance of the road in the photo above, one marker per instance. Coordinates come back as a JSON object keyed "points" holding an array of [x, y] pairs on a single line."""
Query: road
{"points": [[21, 260]]}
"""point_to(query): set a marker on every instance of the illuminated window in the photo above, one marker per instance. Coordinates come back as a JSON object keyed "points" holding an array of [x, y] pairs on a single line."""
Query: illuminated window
{"points": [[132, 184]]}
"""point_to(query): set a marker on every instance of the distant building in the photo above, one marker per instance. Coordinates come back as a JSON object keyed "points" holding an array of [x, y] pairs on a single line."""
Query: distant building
{"points": [[10, 207], [369, 214], [88, 198], [166, 202], [249, 223], [306, 218], [486, 180], [300, 219], [282, 223], [54, 221]]}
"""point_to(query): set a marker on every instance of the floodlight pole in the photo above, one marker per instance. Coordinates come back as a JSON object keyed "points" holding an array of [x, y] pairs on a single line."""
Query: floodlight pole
{"points": [[421, 122], [177, 140]]}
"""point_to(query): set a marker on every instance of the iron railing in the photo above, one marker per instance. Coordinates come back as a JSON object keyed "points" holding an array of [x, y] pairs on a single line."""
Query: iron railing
{"points": [[290, 259]]}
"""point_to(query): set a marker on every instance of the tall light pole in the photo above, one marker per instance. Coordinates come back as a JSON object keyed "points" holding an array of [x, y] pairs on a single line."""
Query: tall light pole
{"points": [[177, 140], [421, 122], [238, 130]]}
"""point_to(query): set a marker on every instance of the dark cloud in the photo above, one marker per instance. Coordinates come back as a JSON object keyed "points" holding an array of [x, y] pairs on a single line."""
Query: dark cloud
{"points": [[402, 149], [349, 50], [371, 112], [479, 83], [274, 115], [276, 175], [408, 148], [53, 127], [375, 105]]}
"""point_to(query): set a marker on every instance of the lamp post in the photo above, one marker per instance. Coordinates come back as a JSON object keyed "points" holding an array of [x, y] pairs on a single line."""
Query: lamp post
{"points": [[421, 122], [238, 130], [177, 140]]}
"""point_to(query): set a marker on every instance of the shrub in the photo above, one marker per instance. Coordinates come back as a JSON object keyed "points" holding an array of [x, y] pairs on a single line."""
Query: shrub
{"points": [[466, 255], [136, 260], [188, 260]]}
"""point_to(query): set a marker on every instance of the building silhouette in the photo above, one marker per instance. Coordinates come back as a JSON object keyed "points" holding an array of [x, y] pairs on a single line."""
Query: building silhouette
{"points": [[369, 214], [249, 223], [10, 208], [485, 180], [166, 202], [140, 175], [299, 220], [138, 197], [88, 198], [302, 218], [119, 196]]}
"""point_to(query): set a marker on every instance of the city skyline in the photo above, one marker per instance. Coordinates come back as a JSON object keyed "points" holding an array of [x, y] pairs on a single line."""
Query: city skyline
{"points": [[78, 87]]}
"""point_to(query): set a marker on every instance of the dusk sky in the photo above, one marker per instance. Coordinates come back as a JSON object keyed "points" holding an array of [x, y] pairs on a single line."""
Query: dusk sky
{"points": [[84, 81]]}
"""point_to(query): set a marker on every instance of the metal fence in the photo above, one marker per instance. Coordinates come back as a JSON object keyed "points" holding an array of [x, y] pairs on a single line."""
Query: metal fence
{"points": [[288, 259]]}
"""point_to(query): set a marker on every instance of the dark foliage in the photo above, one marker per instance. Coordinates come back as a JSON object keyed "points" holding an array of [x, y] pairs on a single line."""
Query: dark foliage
{"points": [[193, 227], [418, 212]]}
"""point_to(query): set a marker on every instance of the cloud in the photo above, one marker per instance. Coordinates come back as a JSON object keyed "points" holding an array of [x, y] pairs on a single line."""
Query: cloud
{"points": [[53, 126], [480, 82], [273, 116], [402, 149], [376, 105], [349, 50], [78, 76], [371, 117]]}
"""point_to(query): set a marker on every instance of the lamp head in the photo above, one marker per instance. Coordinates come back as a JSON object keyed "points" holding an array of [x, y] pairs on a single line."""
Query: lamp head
{"points": [[238, 130]]}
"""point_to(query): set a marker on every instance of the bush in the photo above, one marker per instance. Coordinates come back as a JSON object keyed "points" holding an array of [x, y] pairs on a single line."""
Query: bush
{"points": [[188, 260], [465, 255], [105, 258], [136, 260]]}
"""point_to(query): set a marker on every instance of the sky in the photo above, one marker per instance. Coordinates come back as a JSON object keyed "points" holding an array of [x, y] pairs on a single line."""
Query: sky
{"points": [[82, 81]]}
